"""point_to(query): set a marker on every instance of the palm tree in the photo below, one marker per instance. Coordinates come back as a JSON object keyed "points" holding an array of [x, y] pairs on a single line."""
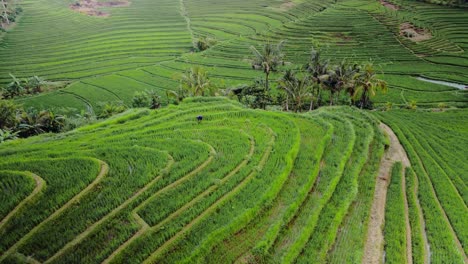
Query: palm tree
{"points": [[13, 89], [342, 78], [7, 135], [34, 84], [35, 123], [8, 114], [367, 85], [318, 72], [195, 82], [268, 59], [295, 88], [154, 99]]}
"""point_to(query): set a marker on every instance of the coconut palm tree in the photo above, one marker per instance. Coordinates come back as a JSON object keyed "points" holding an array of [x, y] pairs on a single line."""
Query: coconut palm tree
{"points": [[295, 88], [14, 88], [195, 82], [318, 73], [341, 78], [269, 58], [34, 84], [8, 114], [367, 85]]}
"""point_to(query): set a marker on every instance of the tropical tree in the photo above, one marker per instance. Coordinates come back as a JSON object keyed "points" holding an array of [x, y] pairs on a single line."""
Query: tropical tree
{"points": [[8, 114], [175, 96], [367, 85], [34, 84], [14, 88], [318, 73], [195, 82], [140, 99], [253, 95], [51, 122], [7, 135], [112, 108], [33, 122], [147, 98], [296, 89], [154, 99], [340, 78], [269, 58], [204, 43]]}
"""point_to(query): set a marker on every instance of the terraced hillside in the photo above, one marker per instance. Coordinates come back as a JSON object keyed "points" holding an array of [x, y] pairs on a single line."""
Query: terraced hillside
{"points": [[334, 185], [144, 45], [435, 187], [160, 187]]}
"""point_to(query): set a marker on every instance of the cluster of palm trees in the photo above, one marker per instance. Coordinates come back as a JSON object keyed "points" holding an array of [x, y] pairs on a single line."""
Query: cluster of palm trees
{"points": [[193, 82], [18, 87], [17, 122], [306, 85]]}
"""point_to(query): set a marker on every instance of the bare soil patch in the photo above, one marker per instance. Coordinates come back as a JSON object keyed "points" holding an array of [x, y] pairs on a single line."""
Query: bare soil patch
{"points": [[342, 38], [91, 7], [287, 5], [6, 26], [414, 33], [389, 5], [375, 240]]}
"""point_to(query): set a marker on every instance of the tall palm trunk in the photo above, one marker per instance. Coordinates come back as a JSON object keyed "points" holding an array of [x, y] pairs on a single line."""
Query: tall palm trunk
{"points": [[364, 98], [267, 88], [267, 85]]}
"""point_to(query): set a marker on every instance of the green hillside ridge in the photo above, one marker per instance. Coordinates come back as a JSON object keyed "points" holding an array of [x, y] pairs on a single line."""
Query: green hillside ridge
{"points": [[128, 132]]}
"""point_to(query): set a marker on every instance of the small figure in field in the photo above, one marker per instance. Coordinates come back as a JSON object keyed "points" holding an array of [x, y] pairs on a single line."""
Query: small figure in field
{"points": [[199, 118]]}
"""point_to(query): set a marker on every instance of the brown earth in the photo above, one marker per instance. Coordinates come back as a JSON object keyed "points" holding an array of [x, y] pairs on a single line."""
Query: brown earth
{"points": [[91, 7], [414, 33], [389, 5], [374, 243], [287, 5]]}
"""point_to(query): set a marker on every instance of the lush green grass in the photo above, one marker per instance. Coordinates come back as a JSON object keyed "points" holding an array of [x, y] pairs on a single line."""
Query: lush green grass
{"points": [[15, 187], [418, 251], [112, 58], [436, 161], [395, 224], [242, 185], [176, 189]]}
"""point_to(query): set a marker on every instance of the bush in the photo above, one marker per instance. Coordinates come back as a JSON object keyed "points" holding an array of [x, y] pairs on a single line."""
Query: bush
{"points": [[140, 99], [112, 108], [148, 99], [204, 43], [8, 114]]}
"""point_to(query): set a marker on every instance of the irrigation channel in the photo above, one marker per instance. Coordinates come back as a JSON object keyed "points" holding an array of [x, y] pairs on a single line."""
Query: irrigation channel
{"points": [[451, 84]]}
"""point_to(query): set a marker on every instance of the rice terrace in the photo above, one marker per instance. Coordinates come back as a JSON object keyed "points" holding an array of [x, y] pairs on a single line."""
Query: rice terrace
{"points": [[234, 131]]}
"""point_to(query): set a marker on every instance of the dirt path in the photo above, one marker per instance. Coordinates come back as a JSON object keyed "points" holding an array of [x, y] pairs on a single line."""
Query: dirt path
{"points": [[100, 176], [40, 184], [374, 243]]}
